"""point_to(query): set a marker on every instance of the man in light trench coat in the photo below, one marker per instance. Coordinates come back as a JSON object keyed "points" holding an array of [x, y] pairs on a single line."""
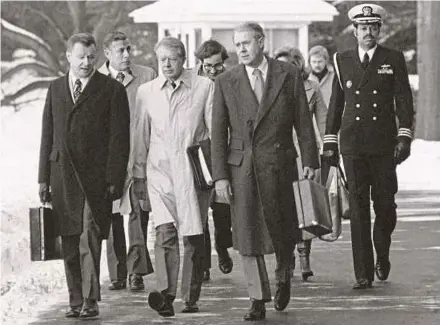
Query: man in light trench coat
{"points": [[258, 103], [173, 112]]}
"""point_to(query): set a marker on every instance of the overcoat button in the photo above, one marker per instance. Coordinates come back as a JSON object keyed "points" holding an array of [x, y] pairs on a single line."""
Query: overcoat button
{"points": [[375, 92], [276, 145], [357, 118], [357, 92], [374, 105], [374, 118], [358, 105]]}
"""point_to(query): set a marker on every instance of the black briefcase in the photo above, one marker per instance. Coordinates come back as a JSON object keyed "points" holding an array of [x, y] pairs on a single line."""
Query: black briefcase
{"points": [[200, 159], [45, 245], [313, 209]]}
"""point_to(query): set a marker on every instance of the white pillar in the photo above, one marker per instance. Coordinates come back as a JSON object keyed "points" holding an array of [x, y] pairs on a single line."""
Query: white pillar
{"points": [[303, 40], [191, 61], [160, 31], [206, 33], [270, 42]]}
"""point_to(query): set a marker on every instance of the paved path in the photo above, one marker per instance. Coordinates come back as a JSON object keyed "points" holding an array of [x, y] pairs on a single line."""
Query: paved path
{"points": [[411, 296]]}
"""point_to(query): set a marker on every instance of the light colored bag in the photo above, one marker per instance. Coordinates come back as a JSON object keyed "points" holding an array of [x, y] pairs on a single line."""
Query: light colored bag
{"points": [[332, 186]]}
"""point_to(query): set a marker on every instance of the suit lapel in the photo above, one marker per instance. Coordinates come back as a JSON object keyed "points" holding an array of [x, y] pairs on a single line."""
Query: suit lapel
{"points": [[242, 90], [68, 94], [274, 81], [90, 89]]}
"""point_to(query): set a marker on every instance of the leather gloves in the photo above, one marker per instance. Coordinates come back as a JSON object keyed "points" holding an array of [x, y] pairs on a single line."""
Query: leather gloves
{"points": [[139, 188], [331, 157], [402, 151], [44, 193], [111, 193]]}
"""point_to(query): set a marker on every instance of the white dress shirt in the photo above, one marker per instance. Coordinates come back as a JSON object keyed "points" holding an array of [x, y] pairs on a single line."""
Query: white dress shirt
{"points": [[262, 67], [370, 53], [72, 80], [114, 72]]}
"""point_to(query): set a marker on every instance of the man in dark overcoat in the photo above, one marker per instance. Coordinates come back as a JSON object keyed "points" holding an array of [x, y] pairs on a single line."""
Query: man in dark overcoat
{"points": [[258, 103], [83, 163], [136, 262], [372, 91]]}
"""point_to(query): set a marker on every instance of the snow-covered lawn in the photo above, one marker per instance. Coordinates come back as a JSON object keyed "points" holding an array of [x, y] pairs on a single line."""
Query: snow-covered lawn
{"points": [[28, 287]]}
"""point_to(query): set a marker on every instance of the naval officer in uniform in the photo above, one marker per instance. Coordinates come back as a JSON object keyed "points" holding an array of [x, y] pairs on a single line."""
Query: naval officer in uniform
{"points": [[371, 92]]}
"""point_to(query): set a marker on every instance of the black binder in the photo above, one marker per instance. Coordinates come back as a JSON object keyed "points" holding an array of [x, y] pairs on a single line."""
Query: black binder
{"points": [[45, 245], [200, 159]]}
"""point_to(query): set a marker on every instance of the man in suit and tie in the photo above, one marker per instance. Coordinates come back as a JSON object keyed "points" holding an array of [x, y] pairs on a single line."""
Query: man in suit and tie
{"points": [[258, 103], [83, 163], [137, 263], [371, 91], [212, 56]]}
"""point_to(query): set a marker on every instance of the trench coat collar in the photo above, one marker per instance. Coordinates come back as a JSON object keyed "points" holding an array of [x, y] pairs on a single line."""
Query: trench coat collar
{"points": [[185, 78], [129, 75]]}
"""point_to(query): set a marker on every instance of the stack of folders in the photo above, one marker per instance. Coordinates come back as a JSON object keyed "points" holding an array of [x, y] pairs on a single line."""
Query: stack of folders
{"points": [[200, 159]]}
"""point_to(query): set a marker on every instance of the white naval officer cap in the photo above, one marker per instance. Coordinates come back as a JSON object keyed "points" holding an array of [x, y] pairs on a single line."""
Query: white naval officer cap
{"points": [[366, 13]]}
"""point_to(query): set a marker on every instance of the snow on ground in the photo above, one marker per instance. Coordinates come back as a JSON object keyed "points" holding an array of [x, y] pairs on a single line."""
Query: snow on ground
{"points": [[28, 287]]}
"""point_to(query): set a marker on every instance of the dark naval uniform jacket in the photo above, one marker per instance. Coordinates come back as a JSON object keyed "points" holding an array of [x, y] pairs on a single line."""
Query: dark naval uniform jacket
{"points": [[365, 103]]}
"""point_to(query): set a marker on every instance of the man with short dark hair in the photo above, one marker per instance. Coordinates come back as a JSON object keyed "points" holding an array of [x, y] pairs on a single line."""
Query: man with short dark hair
{"points": [[371, 92], [85, 145], [256, 106], [212, 56], [137, 263]]}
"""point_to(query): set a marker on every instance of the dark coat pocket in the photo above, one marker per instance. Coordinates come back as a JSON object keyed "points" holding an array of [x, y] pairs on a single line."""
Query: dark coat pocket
{"points": [[235, 158]]}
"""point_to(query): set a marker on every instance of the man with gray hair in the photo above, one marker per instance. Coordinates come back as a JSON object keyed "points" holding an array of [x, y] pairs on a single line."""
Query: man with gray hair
{"points": [[173, 112], [258, 103]]}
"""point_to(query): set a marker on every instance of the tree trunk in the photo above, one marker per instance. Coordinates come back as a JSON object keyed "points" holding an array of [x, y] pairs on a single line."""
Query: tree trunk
{"points": [[78, 11], [428, 97]]}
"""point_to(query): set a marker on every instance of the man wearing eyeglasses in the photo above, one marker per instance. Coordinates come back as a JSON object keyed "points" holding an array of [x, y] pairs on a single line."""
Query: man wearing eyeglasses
{"points": [[212, 56]]}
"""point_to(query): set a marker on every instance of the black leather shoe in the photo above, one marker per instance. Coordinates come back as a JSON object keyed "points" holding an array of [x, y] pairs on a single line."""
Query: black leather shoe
{"points": [[306, 274], [257, 311], [73, 312], [282, 296], [161, 303], [382, 270], [136, 282], [89, 309], [190, 307], [362, 284], [206, 275], [118, 285], [225, 263]]}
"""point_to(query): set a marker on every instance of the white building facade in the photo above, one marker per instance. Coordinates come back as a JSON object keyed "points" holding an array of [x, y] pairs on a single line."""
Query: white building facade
{"points": [[286, 22]]}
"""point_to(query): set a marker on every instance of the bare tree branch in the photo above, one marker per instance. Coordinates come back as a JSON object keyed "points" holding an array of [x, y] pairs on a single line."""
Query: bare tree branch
{"points": [[78, 12], [50, 21], [41, 68], [16, 34]]}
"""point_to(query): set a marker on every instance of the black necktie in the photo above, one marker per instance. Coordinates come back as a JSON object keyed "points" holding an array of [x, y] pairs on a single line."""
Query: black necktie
{"points": [[173, 84], [365, 61]]}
